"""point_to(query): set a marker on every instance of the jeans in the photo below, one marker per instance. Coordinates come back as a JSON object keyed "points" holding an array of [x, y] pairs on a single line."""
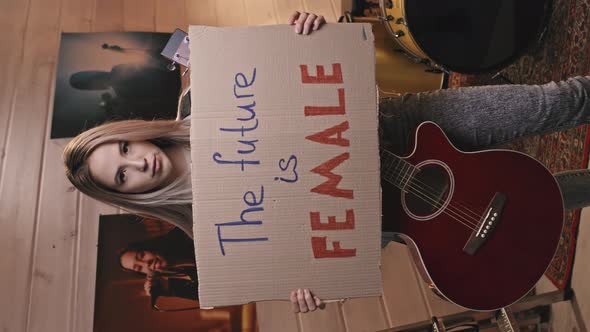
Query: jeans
{"points": [[477, 118]]}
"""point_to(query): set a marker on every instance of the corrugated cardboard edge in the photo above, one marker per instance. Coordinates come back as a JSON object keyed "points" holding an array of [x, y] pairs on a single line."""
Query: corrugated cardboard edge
{"points": [[194, 30], [366, 35], [369, 36]]}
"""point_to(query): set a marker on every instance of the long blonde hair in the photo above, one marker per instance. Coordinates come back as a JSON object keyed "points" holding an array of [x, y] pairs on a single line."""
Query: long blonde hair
{"points": [[172, 203]]}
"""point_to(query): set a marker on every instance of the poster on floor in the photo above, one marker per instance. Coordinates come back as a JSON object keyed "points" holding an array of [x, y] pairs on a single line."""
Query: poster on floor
{"points": [[146, 281], [111, 76]]}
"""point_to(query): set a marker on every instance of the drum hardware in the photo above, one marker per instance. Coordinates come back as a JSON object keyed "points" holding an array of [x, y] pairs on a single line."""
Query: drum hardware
{"points": [[465, 36], [432, 67], [383, 20], [386, 93], [395, 73], [435, 71]]}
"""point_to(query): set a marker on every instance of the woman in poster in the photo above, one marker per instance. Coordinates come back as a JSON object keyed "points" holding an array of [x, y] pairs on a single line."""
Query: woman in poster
{"points": [[167, 261]]}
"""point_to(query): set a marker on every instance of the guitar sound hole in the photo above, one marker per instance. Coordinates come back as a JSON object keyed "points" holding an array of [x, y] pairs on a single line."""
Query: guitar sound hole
{"points": [[427, 191]]}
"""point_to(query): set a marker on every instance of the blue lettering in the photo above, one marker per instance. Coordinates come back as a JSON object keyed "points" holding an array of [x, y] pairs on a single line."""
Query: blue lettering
{"points": [[241, 129], [249, 109], [254, 202], [243, 84], [217, 158], [251, 144], [250, 200], [222, 240]]}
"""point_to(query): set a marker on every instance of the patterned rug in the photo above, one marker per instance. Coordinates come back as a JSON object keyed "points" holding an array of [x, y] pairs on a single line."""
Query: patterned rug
{"points": [[563, 52]]}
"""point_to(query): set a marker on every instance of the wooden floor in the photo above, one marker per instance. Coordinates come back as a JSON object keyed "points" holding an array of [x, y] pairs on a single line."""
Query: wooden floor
{"points": [[49, 230], [568, 317]]}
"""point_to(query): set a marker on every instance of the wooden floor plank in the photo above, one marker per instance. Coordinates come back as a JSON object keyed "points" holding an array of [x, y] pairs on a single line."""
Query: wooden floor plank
{"points": [[364, 314], [581, 269], [171, 14], [436, 305], [77, 15], [139, 15], [261, 12], [13, 19], [327, 320], [276, 316], [23, 157], [108, 15], [321, 8], [231, 13], [55, 246], [201, 12], [403, 298], [341, 6], [285, 8]]}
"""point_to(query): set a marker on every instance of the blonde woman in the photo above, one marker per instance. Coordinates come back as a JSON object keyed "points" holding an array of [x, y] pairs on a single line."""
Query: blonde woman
{"points": [[143, 166]]}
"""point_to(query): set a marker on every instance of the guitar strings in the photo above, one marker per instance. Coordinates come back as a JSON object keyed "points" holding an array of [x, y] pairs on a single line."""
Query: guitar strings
{"points": [[464, 220], [424, 195], [428, 189], [457, 215], [433, 191]]}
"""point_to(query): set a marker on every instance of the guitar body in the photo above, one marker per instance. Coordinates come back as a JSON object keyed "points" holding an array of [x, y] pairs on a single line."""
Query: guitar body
{"points": [[466, 190]]}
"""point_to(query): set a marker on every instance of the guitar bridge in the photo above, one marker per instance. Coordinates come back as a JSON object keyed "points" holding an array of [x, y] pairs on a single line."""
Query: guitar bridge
{"points": [[486, 225]]}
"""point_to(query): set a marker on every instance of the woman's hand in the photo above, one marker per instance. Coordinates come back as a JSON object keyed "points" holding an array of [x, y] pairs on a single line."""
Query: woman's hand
{"points": [[306, 22], [303, 301], [152, 282]]}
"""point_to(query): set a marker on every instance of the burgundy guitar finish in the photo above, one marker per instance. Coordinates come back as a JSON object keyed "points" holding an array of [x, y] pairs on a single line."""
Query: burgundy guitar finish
{"points": [[518, 250]]}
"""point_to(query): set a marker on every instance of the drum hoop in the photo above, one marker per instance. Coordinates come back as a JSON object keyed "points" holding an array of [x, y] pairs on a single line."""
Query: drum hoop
{"points": [[408, 34], [541, 29]]}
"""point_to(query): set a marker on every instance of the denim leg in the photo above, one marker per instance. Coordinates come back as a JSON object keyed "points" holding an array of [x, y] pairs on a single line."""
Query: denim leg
{"points": [[476, 118]]}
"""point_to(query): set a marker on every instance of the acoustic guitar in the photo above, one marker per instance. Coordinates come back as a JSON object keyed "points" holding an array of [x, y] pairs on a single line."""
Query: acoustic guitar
{"points": [[482, 226]]}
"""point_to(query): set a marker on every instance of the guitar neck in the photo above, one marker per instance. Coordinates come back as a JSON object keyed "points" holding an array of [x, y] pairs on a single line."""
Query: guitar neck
{"points": [[506, 321], [395, 170]]}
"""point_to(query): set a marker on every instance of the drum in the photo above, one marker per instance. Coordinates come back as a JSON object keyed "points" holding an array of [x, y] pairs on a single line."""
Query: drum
{"points": [[395, 72], [465, 36]]}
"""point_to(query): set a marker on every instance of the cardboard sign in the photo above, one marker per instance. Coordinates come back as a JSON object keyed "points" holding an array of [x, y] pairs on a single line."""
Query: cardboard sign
{"points": [[285, 163]]}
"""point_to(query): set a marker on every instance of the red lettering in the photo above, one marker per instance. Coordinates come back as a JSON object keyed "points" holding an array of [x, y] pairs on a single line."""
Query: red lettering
{"points": [[320, 249], [329, 187], [325, 137], [332, 225], [327, 110], [321, 77], [333, 136]]}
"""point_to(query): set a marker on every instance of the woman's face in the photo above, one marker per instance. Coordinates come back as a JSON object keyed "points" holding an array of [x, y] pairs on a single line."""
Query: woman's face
{"points": [[143, 261], [130, 166]]}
